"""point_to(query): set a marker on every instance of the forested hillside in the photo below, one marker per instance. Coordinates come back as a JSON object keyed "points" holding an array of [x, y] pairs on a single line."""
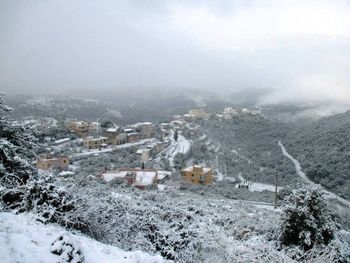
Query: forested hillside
{"points": [[249, 146], [323, 149]]}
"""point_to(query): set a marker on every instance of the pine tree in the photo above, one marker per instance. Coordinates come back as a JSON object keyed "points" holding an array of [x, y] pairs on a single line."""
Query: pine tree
{"points": [[176, 135], [306, 220]]}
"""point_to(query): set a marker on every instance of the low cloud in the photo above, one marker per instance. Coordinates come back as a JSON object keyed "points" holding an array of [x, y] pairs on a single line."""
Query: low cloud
{"points": [[299, 49]]}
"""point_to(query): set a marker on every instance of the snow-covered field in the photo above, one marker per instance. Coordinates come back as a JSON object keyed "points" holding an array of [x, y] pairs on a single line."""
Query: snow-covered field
{"points": [[22, 239], [259, 187]]}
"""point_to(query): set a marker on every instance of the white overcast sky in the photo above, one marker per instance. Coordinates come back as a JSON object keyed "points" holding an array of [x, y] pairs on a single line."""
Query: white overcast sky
{"points": [[301, 49]]}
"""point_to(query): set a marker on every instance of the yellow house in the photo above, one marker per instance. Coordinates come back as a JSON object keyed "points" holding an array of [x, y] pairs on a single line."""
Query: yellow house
{"points": [[45, 163], [197, 175]]}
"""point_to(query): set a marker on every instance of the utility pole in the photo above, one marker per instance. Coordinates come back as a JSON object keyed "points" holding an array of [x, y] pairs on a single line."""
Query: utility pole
{"points": [[276, 191]]}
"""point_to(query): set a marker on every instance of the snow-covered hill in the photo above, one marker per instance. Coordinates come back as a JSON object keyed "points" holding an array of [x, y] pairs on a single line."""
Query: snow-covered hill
{"points": [[23, 239]]}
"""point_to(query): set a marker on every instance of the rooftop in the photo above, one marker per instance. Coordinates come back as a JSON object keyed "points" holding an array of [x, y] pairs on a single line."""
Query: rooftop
{"points": [[113, 129], [190, 168], [142, 177]]}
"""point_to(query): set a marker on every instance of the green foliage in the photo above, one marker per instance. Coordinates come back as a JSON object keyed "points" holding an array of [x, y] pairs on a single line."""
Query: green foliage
{"points": [[306, 220], [179, 161], [17, 146], [176, 135], [248, 145], [322, 148]]}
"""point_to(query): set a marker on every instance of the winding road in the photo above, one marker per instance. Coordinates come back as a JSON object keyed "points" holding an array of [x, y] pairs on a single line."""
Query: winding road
{"points": [[302, 175]]}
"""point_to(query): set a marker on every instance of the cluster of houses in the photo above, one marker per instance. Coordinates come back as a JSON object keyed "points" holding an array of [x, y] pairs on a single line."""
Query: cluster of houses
{"points": [[194, 114], [95, 137], [230, 113], [152, 178], [138, 177]]}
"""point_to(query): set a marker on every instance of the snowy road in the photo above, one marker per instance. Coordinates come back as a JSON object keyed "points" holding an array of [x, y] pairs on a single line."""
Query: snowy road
{"points": [[302, 175]]}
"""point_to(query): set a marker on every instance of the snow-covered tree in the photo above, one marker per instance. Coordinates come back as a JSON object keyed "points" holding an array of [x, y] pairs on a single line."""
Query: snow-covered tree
{"points": [[16, 148], [306, 220]]}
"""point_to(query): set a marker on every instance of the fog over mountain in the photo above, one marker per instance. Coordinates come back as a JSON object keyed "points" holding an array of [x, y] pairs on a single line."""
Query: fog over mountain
{"points": [[297, 50]]}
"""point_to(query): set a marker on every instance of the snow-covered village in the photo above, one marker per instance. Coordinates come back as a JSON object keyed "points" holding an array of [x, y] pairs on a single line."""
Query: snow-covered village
{"points": [[174, 131]]}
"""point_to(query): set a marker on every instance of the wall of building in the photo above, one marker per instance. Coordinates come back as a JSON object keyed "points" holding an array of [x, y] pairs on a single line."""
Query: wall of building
{"points": [[59, 162], [95, 143], [198, 176]]}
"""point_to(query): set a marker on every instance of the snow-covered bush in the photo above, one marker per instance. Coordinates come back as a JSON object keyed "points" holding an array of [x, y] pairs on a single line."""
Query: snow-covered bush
{"points": [[137, 221], [17, 146], [44, 197], [68, 250], [306, 219]]}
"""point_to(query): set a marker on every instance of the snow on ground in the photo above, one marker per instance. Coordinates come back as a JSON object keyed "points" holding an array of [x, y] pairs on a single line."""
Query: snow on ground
{"points": [[109, 176], [66, 173], [182, 145], [64, 140], [259, 187], [22, 239], [219, 176], [106, 150], [303, 176]]}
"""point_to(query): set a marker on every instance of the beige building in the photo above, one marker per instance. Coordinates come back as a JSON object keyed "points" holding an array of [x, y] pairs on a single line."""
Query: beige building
{"points": [[119, 139], [145, 129], [95, 143], [46, 162], [133, 137], [116, 136], [198, 113], [79, 127], [95, 127], [197, 175]]}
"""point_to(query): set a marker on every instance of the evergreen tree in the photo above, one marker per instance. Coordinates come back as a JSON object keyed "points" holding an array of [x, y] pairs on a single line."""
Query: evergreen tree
{"points": [[306, 220], [176, 135]]}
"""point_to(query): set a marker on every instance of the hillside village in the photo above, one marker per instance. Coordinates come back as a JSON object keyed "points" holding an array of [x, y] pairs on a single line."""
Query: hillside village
{"points": [[153, 149], [174, 131], [214, 181]]}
